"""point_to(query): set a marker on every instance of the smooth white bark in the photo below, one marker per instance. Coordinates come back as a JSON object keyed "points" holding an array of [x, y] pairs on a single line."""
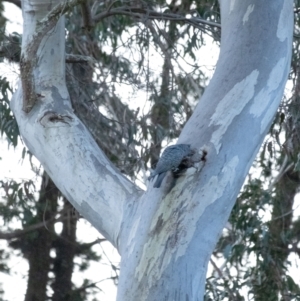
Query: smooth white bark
{"points": [[166, 239]]}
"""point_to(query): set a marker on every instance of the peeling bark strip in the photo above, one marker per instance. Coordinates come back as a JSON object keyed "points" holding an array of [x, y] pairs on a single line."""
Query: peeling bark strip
{"points": [[27, 79], [28, 64]]}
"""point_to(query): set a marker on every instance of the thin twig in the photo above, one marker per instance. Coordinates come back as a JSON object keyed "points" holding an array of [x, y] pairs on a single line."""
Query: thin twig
{"points": [[76, 58], [151, 14], [18, 233], [221, 275]]}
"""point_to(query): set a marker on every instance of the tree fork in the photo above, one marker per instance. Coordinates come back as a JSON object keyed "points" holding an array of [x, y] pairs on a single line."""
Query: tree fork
{"points": [[166, 240]]}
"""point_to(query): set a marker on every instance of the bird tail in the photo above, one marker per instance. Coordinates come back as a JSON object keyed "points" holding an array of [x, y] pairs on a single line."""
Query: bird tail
{"points": [[159, 180]]}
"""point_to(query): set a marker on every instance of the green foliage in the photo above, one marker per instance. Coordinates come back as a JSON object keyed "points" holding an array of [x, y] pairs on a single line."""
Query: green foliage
{"points": [[8, 124], [2, 18], [18, 201]]}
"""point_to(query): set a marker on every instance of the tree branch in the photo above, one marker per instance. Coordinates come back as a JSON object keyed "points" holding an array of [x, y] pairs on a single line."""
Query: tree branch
{"points": [[149, 14], [86, 15], [76, 58], [18, 233], [28, 57]]}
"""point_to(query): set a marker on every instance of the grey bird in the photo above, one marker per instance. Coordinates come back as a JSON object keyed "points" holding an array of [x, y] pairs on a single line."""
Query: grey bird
{"points": [[170, 160]]}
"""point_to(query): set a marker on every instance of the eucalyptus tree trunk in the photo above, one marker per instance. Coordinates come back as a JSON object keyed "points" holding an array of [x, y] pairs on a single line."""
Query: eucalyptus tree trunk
{"points": [[165, 238]]}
